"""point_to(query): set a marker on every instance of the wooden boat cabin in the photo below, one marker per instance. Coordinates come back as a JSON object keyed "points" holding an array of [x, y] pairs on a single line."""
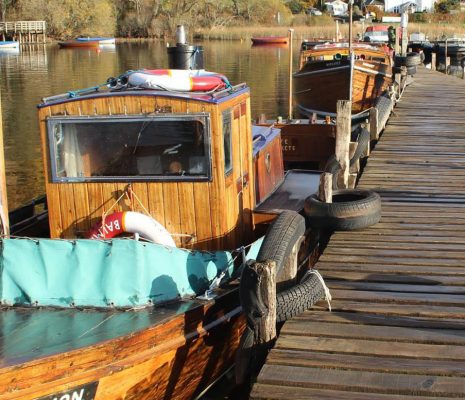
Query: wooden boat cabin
{"points": [[186, 160], [333, 71]]}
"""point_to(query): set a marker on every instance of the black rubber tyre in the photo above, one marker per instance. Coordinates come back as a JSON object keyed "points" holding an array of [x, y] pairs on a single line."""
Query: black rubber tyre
{"points": [[362, 145], [411, 70], [299, 298], [413, 59], [281, 237], [396, 70], [351, 209]]}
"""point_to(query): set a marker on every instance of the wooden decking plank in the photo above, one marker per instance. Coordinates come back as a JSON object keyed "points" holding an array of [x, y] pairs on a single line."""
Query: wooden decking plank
{"points": [[355, 381], [372, 332], [377, 348], [274, 392], [317, 359]]}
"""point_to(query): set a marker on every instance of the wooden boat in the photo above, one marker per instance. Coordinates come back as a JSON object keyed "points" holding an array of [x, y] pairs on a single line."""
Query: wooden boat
{"points": [[329, 72], [264, 40], [78, 43], [128, 319]]}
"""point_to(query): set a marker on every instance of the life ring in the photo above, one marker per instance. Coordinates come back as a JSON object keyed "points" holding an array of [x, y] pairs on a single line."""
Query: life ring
{"points": [[177, 80], [131, 222]]}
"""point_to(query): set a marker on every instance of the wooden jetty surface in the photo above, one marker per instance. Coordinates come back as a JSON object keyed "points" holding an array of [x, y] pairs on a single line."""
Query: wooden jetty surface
{"points": [[397, 329]]}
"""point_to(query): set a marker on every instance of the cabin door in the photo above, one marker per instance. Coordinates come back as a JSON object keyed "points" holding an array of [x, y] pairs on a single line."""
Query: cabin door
{"points": [[238, 174]]}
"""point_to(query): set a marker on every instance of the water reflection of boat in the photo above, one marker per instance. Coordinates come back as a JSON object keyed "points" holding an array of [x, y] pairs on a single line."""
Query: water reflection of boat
{"points": [[270, 40], [330, 72], [123, 318]]}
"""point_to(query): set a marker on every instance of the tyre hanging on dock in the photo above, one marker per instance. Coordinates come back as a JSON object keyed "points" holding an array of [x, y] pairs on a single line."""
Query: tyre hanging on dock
{"points": [[351, 209], [283, 240]]}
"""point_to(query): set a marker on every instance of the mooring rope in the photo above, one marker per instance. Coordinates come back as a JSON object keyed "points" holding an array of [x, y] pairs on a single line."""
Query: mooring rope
{"points": [[328, 297]]}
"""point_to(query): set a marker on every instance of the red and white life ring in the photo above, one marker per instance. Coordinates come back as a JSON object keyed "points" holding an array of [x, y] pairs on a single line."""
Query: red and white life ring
{"points": [[177, 80], [131, 222]]}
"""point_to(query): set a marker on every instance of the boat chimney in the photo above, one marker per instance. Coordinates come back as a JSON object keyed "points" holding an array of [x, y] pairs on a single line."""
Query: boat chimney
{"points": [[183, 55], [180, 35]]}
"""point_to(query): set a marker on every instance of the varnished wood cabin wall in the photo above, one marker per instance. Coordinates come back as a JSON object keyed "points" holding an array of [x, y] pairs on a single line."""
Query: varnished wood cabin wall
{"points": [[207, 210]]}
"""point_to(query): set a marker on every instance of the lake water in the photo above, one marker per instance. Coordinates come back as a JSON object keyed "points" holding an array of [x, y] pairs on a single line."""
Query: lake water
{"points": [[45, 70]]}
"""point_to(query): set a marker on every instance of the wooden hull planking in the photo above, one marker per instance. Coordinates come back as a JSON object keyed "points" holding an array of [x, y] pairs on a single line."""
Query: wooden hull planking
{"points": [[319, 86], [175, 358]]}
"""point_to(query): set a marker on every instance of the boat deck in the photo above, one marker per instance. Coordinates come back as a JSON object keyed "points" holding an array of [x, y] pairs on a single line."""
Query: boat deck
{"points": [[397, 329]]}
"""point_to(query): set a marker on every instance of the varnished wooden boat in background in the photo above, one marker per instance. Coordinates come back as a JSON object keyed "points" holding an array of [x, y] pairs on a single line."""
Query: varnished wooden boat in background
{"points": [[329, 73]]}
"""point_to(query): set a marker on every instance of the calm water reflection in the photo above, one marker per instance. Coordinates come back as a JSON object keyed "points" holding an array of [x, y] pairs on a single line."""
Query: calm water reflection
{"points": [[42, 71]]}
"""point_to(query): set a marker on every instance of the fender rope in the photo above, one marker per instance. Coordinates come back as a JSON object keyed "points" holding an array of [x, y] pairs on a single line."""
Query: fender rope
{"points": [[328, 297]]}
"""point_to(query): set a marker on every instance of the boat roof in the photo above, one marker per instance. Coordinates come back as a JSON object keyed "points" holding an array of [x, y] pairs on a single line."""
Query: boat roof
{"points": [[215, 97], [344, 45]]}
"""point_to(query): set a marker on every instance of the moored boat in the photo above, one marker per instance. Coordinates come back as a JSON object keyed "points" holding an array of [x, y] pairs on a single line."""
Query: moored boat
{"points": [[101, 40], [264, 40], [330, 72], [78, 43], [120, 318]]}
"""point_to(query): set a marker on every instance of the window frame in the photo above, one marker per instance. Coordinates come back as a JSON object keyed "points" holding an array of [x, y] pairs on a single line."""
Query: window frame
{"points": [[226, 115], [205, 118]]}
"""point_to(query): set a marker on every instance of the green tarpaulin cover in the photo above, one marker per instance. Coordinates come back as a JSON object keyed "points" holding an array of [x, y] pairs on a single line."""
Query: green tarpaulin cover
{"points": [[120, 272]]}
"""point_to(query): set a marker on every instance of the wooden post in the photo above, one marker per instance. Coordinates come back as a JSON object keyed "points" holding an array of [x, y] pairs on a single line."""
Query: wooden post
{"points": [[343, 122], [291, 31], [433, 61], [374, 128], [447, 65], [325, 190], [3, 198], [267, 325]]}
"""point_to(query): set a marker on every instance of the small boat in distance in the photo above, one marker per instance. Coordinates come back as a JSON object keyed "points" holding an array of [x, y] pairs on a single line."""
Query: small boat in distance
{"points": [[9, 44], [87, 42], [330, 72], [263, 40], [101, 40]]}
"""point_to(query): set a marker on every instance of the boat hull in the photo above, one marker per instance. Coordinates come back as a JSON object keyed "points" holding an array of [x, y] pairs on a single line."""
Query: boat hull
{"points": [[319, 85], [165, 352], [78, 43], [270, 40]]}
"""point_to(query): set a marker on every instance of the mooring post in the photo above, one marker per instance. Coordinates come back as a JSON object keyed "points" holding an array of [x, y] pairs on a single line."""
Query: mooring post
{"points": [[343, 133], [447, 65], [325, 190], [433, 61], [258, 300]]}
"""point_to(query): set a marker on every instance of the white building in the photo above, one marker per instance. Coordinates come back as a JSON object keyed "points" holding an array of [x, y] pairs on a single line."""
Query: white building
{"points": [[337, 7], [421, 5]]}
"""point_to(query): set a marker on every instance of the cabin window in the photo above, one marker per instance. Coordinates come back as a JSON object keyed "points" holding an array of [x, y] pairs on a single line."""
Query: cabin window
{"points": [[227, 142], [156, 147]]}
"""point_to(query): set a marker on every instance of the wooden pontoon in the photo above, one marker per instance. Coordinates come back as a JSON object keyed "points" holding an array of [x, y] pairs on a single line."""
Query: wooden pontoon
{"points": [[331, 72], [192, 165]]}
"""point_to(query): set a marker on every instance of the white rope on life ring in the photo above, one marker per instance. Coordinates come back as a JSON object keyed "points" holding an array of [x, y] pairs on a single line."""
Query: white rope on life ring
{"points": [[131, 222]]}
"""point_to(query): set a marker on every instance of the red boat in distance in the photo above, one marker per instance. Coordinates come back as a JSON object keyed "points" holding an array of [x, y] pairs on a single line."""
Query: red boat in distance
{"points": [[77, 43], [264, 40]]}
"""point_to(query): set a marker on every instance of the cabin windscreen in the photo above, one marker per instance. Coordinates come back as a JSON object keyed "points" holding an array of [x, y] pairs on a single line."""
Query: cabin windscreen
{"points": [[159, 147]]}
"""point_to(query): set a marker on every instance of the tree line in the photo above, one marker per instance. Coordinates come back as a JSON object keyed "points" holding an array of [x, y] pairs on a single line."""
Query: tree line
{"points": [[145, 18]]}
